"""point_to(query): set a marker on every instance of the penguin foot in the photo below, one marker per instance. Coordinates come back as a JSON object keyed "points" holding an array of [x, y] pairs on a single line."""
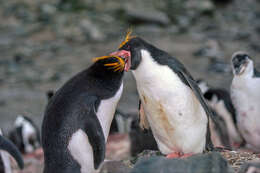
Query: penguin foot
{"points": [[178, 155]]}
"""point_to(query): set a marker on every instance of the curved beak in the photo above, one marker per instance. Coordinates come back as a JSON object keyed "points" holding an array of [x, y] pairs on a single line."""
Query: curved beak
{"points": [[8, 146], [127, 57]]}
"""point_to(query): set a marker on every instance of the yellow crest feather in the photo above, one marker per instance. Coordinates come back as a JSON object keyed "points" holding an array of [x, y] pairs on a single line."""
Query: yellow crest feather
{"points": [[117, 66], [128, 37]]}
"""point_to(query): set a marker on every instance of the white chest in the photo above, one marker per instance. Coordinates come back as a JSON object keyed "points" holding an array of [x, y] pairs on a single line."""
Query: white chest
{"points": [[246, 99], [79, 145], [106, 111], [176, 117]]}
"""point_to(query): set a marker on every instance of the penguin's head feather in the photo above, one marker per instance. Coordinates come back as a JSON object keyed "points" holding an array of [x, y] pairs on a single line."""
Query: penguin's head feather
{"points": [[130, 49], [110, 63], [242, 64]]}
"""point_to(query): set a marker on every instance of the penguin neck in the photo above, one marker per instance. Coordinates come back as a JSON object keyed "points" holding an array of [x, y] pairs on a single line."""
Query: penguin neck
{"points": [[147, 69], [106, 111]]}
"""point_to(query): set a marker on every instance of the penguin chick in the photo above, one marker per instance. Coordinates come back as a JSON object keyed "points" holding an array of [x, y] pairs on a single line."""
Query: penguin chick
{"points": [[171, 99], [78, 117], [219, 100], [25, 135], [245, 96], [6, 148]]}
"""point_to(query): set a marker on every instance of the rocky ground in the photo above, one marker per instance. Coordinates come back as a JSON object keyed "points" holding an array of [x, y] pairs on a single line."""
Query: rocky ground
{"points": [[43, 43]]}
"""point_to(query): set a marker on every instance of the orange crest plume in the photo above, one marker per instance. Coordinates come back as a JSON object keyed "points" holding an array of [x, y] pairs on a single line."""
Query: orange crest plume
{"points": [[127, 38], [117, 66]]}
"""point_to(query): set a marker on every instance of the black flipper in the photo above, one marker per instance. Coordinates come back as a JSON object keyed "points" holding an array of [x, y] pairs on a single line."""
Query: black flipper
{"points": [[186, 78], [93, 129], [192, 83], [8, 146]]}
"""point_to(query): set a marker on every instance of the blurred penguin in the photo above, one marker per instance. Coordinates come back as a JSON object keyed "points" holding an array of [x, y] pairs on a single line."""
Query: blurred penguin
{"points": [[7, 148], [245, 96], [25, 134], [219, 100]]}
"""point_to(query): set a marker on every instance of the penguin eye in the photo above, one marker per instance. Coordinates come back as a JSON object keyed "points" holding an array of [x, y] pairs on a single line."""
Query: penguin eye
{"points": [[128, 47]]}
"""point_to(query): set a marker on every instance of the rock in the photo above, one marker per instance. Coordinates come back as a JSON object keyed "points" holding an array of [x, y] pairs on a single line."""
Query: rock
{"points": [[202, 163], [46, 12], [138, 16], [211, 49], [219, 66], [91, 30], [114, 167], [238, 158], [250, 167]]}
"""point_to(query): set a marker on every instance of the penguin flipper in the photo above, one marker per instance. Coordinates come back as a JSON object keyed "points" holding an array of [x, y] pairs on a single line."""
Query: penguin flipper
{"points": [[143, 122], [187, 78], [8, 146], [93, 129]]}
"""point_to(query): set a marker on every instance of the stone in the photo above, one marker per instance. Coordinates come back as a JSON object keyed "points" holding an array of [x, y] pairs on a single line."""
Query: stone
{"points": [[202, 163], [137, 16], [250, 167], [114, 167]]}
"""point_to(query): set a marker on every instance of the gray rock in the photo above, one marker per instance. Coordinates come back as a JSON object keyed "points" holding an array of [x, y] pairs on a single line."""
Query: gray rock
{"points": [[137, 16], [91, 30], [201, 163], [250, 167], [114, 167]]}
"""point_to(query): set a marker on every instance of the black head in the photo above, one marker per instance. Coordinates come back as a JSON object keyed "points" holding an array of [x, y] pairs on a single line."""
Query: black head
{"points": [[108, 65], [241, 63], [130, 49]]}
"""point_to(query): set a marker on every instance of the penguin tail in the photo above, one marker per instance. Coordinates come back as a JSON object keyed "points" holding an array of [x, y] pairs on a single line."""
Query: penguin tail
{"points": [[8, 146]]}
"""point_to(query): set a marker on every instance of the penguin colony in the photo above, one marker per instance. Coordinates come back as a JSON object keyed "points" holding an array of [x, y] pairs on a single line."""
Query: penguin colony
{"points": [[181, 116]]}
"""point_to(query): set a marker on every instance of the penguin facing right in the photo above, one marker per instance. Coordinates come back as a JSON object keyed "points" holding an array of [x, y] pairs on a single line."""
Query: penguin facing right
{"points": [[78, 117], [245, 96], [6, 148]]}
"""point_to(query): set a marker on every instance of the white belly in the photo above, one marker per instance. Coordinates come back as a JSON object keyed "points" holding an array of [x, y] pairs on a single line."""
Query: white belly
{"points": [[247, 105], [177, 119]]}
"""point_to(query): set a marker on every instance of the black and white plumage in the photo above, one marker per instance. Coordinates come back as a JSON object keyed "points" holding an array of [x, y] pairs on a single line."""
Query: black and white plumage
{"points": [[172, 102], [25, 134], [7, 148], [78, 117], [220, 101], [245, 96]]}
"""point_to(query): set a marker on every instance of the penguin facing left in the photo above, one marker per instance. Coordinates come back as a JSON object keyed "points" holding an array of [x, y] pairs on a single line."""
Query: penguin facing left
{"points": [[172, 101], [6, 148], [78, 117]]}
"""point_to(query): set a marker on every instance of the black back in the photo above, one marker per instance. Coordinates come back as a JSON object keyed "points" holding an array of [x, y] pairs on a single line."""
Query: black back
{"points": [[222, 94], [136, 44], [73, 107]]}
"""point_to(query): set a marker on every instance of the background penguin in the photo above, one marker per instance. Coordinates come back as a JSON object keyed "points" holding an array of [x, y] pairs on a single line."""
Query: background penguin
{"points": [[172, 102], [6, 148], [78, 117], [245, 96], [25, 135], [220, 101]]}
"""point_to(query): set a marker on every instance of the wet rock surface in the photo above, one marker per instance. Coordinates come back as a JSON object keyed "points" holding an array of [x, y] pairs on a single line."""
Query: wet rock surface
{"points": [[203, 163]]}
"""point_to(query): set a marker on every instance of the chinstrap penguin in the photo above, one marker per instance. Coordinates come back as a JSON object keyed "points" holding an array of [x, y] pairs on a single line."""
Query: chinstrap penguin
{"points": [[220, 101], [25, 135], [173, 104], [78, 117], [7, 148], [245, 96]]}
